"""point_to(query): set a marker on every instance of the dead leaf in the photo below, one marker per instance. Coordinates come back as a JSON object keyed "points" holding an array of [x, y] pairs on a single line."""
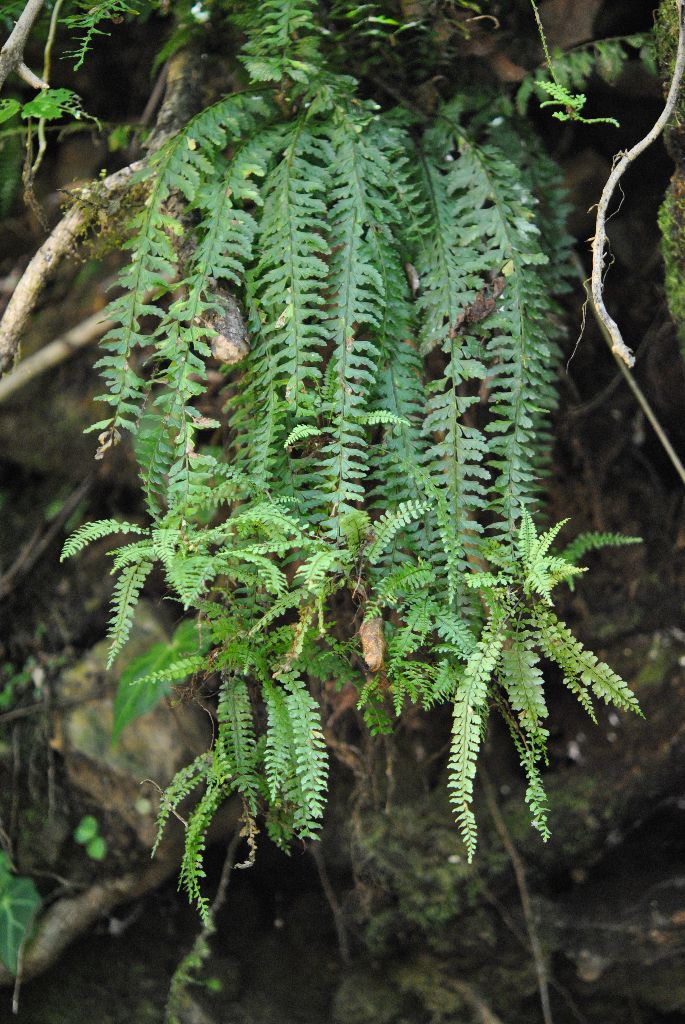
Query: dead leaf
{"points": [[373, 643]]}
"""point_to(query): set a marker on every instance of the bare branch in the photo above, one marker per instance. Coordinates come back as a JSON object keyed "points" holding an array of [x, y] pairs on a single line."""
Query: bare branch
{"points": [[30, 77], [12, 53], [46, 260], [621, 163], [54, 353], [642, 400], [183, 98]]}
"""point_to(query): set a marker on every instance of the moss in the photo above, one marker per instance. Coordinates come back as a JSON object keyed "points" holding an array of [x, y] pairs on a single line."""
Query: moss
{"points": [[412, 866], [106, 218], [672, 226], [666, 39], [365, 996], [432, 985], [672, 213]]}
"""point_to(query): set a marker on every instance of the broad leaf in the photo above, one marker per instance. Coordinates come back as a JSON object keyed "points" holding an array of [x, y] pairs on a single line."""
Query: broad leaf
{"points": [[19, 901], [149, 677]]}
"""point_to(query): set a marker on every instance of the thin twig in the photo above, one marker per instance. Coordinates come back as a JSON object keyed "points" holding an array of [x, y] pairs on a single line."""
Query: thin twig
{"points": [[332, 899], [12, 53], [524, 942], [64, 236], [47, 60], [642, 401], [524, 895], [19, 977], [165, 800], [31, 552], [622, 162], [475, 1001], [54, 353]]}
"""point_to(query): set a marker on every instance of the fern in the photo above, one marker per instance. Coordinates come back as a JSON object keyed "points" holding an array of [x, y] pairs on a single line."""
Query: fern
{"points": [[183, 783], [573, 68], [470, 709], [561, 646], [90, 532], [309, 761], [88, 23], [283, 41], [126, 593], [571, 103], [236, 744], [585, 542], [390, 523], [369, 491]]}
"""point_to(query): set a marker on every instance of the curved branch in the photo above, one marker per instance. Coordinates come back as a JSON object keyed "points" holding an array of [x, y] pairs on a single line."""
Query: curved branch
{"points": [[45, 261], [12, 53], [71, 916], [621, 163], [183, 98], [54, 353]]}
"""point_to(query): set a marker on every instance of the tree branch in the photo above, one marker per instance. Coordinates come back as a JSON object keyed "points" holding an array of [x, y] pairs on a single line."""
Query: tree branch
{"points": [[642, 400], [183, 98], [46, 260], [54, 353], [622, 162], [12, 53]]}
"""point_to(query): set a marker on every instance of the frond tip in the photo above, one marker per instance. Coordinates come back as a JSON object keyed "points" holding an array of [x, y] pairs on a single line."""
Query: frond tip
{"points": [[90, 532]]}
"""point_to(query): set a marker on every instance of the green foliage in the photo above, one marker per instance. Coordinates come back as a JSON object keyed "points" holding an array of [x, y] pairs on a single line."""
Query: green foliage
{"points": [[384, 439], [88, 18], [150, 676], [566, 73], [521, 627], [571, 104], [48, 104], [19, 901], [87, 834]]}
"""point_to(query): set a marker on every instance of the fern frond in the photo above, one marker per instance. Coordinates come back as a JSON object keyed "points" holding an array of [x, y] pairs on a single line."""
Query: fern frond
{"points": [[90, 532], [309, 758], [523, 681], [124, 599], [301, 432], [88, 21], [390, 523], [236, 747], [451, 276], [585, 542], [559, 644], [405, 580], [283, 40], [183, 783], [470, 710], [279, 741], [192, 863]]}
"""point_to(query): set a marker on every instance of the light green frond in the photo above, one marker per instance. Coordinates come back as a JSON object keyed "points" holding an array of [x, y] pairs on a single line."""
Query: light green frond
{"points": [[124, 599], [90, 532]]}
